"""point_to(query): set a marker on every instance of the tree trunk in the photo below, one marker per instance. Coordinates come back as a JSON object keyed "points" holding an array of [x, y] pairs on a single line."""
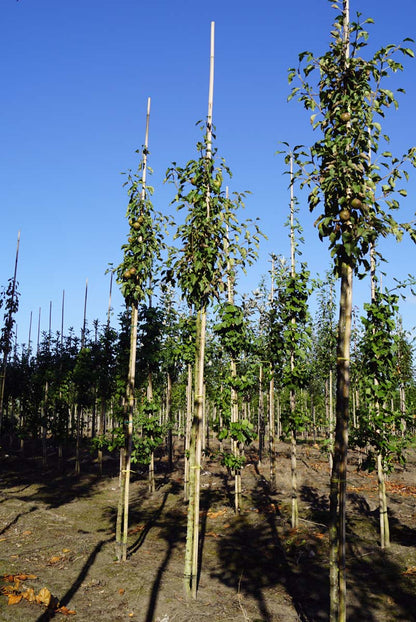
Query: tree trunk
{"points": [[339, 471], [272, 434], [188, 425], [192, 535], [384, 516], [169, 420], [123, 505], [260, 419]]}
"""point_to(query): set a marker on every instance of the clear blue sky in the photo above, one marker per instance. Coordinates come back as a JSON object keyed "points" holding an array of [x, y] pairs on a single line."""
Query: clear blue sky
{"points": [[75, 78]]}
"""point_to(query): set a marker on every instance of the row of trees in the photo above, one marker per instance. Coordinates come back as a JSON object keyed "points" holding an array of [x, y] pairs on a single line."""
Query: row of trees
{"points": [[267, 344], [249, 351]]}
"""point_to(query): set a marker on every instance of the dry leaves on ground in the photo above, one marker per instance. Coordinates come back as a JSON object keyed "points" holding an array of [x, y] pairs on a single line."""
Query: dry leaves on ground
{"points": [[45, 598]]}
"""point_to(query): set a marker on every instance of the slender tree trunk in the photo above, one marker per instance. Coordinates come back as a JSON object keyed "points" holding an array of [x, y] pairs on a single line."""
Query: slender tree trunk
{"points": [[192, 535], [260, 420], [384, 517], [169, 420], [295, 508], [78, 439], [272, 434], [188, 425], [123, 505], [152, 482], [339, 471]]}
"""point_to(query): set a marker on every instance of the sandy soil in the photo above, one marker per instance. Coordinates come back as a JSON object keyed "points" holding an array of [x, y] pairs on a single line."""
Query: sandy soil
{"points": [[60, 529]]}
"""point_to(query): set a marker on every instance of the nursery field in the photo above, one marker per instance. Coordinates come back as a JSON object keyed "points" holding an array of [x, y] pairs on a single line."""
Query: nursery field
{"points": [[57, 537]]}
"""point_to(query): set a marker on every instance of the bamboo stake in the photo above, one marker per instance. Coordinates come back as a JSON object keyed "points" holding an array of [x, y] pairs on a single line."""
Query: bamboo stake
{"points": [[292, 396], [109, 300], [192, 537], [62, 317], [272, 423], [38, 339], [123, 507], [84, 323]]}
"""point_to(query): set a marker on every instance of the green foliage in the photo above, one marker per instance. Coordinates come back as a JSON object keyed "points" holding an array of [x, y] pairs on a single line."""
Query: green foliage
{"points": [[9, 298], [347, 98], [212, 241], [241, 431], [379, 422], [137, 272], [232, 462], [148, 435]]}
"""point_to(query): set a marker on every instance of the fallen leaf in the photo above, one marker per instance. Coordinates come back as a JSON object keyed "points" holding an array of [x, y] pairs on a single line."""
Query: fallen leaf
{"points": [[66, 550], [45, 598], [66, 611], [55, 559], [29, 595], [27, 532], [24, 577], [410, 570], [135, 530], [121, 591], [14, 599]]}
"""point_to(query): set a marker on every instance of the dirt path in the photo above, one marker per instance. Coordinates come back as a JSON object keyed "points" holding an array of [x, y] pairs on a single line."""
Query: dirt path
{"points": [[59, 529]]}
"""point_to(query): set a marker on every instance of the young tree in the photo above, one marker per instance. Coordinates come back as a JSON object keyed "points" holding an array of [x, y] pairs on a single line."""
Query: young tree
{"points": [[346, 100], [136, 275], [10, 297], [379, 419]]}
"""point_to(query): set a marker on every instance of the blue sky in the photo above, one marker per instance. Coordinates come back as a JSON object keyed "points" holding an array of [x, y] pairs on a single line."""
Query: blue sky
{"points": [[76, 75]]}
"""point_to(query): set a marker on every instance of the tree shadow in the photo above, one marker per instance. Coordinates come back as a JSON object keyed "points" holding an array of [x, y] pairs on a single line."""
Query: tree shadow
{"points": [[151, 522], [378, 586], [66, 599], [400, 533], [172, 531], [318, 504], [16, 518], [253, 558], [53, 488]]}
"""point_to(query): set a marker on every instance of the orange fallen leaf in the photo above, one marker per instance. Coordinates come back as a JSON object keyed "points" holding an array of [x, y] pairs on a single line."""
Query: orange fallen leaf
{"points": [[226, 526], [55, 559], [134, 530], [66, 611], [45, 598], [14, 599], [29, 595], [410, 570], [24, 577], [121, 591], [27, 532]]}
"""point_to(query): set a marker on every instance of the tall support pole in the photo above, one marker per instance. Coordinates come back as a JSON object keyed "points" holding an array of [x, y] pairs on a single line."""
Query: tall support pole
{"points": [[123, 507], [192, 536]]}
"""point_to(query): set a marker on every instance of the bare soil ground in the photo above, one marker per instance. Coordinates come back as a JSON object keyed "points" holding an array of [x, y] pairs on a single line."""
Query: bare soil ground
{"points": [[254, 568]]}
